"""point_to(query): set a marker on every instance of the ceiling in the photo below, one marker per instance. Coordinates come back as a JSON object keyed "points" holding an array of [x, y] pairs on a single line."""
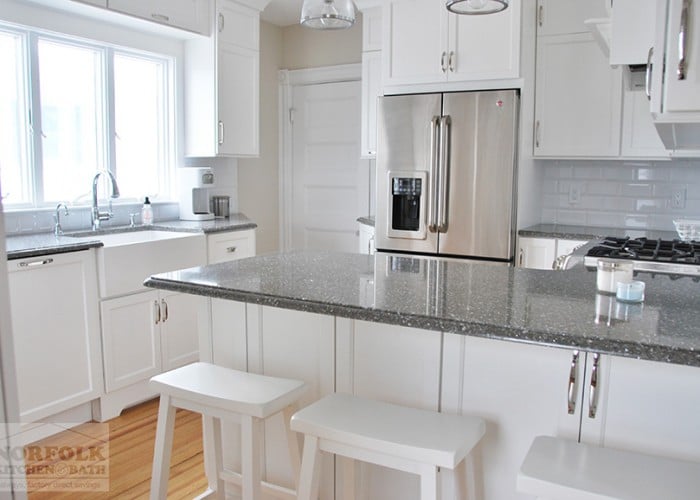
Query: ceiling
{"points": [[282, 12]]}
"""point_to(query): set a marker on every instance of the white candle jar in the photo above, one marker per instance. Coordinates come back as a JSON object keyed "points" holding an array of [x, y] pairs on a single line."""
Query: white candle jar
{"points": [[611, 272]]}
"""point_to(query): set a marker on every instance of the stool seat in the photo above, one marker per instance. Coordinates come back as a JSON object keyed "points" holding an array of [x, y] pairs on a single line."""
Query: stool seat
{"points": [[556, 468], [424, 436], [230, 390]]}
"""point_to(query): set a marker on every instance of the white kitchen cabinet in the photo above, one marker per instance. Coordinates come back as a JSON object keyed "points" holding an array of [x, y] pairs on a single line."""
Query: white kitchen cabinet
{"points": [[191, 15], [424, 43], [639, 136], [145, 334], [55, 320], [578, 99], [632, 30], [222, 79], [233, 245], [371, 79], [558, 17], [366, 239], [536, 253], [565, 247]]}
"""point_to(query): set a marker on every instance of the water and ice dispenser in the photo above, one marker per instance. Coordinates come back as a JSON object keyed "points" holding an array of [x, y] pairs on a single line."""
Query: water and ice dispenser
{"points": [[408, 192]]}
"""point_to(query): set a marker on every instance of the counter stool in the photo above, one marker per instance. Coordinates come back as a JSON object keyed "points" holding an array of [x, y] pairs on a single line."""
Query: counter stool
{"points": [[559, 469], [222, 393], [406, 439]]}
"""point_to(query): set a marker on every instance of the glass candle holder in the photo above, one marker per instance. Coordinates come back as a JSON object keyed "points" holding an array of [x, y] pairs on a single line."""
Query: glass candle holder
{"points": [[611, 272]]}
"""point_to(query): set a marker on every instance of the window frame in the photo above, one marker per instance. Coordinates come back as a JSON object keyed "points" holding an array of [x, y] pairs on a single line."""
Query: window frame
{"points": [[33, 121]]}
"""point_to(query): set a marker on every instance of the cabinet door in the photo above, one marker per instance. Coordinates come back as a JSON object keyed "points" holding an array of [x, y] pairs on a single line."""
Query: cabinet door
{"points": [[371, 90], [178, 332], [639, 136], [238, 79], [485, 47], [130, 338], [537, 253], [682, 95], [223, 247], [56, 332], [191, 15], [558, 17], [414, 48], [412, 379], [577, 99], [633, 405], [521, 391], [565, 247]]}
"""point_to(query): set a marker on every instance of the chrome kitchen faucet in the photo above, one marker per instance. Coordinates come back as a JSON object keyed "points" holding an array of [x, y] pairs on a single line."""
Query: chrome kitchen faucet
{"points": [[98, 216]]}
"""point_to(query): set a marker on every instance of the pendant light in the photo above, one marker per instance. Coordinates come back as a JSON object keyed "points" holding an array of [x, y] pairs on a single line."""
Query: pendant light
{"points": [[328, 14], [476, 7]]}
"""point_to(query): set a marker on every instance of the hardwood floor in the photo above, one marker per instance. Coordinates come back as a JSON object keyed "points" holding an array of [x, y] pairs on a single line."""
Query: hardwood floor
{"points": [[128, 457]]}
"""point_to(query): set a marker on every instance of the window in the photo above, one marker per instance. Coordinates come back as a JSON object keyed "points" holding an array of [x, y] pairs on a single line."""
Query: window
{"points": [[71, 108]]}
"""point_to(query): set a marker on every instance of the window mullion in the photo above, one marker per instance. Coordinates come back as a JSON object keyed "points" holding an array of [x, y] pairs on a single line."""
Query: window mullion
{"points": [[110, 125], [35, 121]]}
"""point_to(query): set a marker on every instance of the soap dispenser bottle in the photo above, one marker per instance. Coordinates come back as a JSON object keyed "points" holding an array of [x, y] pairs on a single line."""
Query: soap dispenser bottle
{"points": [[147, 213]]}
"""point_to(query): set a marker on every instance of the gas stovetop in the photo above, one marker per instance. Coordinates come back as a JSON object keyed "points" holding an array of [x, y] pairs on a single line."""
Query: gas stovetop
{"points": [[661, 256]]}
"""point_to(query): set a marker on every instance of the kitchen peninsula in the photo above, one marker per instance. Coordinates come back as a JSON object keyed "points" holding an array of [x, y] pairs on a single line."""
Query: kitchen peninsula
{"points": [[533, 352]]}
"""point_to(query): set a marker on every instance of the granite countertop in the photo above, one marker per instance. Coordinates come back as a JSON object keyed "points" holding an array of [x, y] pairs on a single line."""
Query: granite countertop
{"points": [[38, 244], [472, 298], [573, 232], [367, 221]]}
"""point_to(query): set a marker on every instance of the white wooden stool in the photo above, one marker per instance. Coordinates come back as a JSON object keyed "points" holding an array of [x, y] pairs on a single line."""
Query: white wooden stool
{"points": [[406, 439], [222, 393], [559, 469]]}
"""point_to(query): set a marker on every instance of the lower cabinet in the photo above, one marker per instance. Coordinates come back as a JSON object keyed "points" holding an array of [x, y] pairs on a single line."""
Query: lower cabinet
{"points": [[540, 253], [147, 333], [55, 323], [233, 245]]}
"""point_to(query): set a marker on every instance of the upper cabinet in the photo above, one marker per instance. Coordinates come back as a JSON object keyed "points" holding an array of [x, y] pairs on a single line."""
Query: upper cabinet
{"points": [[191, 15], [675, 74], [371, 78], [222, 79], [561, 17], [423, 43]]}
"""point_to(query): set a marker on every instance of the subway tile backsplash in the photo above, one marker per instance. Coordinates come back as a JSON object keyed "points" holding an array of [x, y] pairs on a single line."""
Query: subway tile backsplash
{"points": [[620, 194]]}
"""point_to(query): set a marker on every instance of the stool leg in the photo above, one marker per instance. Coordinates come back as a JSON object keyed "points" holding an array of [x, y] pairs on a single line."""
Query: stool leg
{"points": [[214, 426], [429, 483], [292, 444], [310, 470], [162, 449], [250, 459]]}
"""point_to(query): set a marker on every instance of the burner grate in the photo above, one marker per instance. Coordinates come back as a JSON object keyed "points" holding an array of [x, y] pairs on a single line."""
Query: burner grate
{"points": [[644, 249]]}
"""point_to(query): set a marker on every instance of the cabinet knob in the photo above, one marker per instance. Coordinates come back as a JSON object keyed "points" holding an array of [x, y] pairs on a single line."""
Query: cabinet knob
{"points": [[160, 17], [231, 249]]}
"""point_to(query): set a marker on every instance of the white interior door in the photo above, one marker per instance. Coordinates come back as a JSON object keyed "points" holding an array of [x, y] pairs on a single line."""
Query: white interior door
{"points": [[329, 181]]}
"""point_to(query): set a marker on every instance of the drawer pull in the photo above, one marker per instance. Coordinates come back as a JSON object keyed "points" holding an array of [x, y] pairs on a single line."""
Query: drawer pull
{"points": [[35, 263], [593, 390], [160, 17], [157, 308], [571, 399], [231, 249], [165, 310]]}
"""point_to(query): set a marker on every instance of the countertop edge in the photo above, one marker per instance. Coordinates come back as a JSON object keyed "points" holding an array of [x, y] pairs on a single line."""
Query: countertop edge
{"points": [[626, 349]]}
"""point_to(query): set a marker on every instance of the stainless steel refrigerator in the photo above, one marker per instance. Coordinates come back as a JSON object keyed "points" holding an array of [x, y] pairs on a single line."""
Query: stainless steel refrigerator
{"points": [[446, 174]]}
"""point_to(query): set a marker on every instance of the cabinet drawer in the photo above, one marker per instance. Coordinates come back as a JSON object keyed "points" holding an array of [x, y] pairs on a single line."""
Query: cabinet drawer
{"points": [[191, 15], [235, 245]]}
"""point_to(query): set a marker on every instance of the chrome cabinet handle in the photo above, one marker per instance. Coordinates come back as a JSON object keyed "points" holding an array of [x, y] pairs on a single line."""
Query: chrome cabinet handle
{"points": [[593, 389], [520, 258], [433, 173], [231, 249], [647, 79], [537, 134], [444, 160], [35, 263], [540, 16], [221, 22], [155, 303], [165, 310], [451, 61], [160, 17], [682, 36], [443, 65], [571, 393], [221, 132]]}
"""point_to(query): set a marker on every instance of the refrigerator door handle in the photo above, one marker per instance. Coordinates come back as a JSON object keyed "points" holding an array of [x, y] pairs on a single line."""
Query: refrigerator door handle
{"points": [[444, 176], [433, 175]]}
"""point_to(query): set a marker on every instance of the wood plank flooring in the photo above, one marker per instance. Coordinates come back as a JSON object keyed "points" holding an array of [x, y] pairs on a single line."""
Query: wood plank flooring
{"points": [[130, 441]]}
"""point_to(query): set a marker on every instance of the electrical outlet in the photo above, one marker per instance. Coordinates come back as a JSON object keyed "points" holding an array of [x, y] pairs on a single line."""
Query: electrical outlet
{"points": [[574, 193], [678, 198]]}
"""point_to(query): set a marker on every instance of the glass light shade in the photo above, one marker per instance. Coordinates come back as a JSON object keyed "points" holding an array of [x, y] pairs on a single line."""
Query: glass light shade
{"points": [[328, 14], [476, 7]]}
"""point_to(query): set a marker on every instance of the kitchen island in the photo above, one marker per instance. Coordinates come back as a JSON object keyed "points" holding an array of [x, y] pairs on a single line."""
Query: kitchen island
{"points": [[533, 352]]}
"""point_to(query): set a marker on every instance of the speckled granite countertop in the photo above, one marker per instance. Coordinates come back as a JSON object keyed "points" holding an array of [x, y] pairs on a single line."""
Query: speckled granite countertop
{"points": [[36, 245], [367, 221], [523, 305], [571, 232]]}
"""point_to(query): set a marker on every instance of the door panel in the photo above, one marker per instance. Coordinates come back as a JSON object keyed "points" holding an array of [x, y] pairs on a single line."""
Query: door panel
{"points": [[481, 172], [404, 145]]}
